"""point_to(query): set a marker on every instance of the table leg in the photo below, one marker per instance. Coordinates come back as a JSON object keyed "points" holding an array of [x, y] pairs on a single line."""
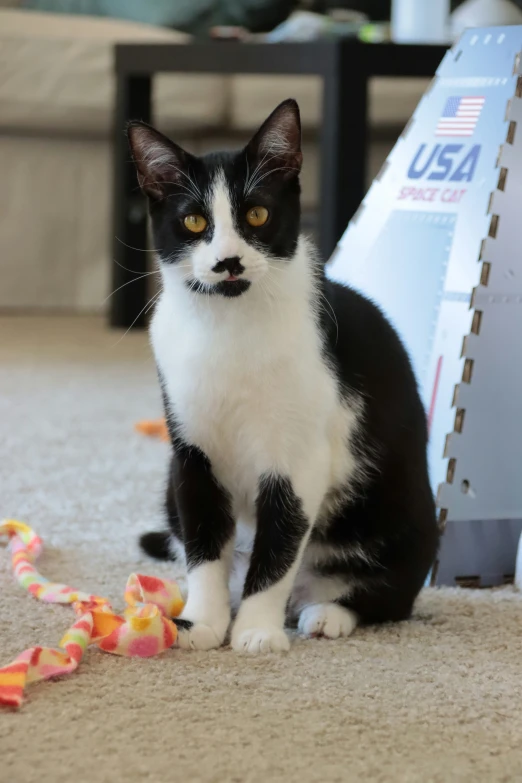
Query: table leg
{"points": [[129, 234], [344, 138]]}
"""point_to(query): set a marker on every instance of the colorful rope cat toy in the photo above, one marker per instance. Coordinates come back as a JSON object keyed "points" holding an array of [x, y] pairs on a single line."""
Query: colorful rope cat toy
{"points": [[144, 629]]}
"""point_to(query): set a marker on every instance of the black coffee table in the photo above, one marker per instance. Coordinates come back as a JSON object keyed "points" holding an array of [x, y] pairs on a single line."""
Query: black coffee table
{"points": [[345, 66]]}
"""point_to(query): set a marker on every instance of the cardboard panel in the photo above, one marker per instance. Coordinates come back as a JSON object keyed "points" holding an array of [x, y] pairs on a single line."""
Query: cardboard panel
{"points": [[420, 246]]}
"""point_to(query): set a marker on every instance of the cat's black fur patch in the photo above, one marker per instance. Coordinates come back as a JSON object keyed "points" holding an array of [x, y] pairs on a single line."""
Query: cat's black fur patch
{"points": [[204, 506], [157, 544], [183, 625], [225, 288], [390, 525], [281, 526]]}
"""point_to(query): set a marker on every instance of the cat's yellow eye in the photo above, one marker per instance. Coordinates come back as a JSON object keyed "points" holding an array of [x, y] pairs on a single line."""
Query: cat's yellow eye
{"points": [[257, 216], [195, 223]]}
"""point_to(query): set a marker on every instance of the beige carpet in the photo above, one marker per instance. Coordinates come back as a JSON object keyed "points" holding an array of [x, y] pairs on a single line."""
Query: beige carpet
{"points": [[435, 699]]}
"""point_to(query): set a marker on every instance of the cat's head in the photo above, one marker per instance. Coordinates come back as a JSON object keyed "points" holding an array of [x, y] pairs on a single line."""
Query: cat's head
{"points": [[223, 219]]}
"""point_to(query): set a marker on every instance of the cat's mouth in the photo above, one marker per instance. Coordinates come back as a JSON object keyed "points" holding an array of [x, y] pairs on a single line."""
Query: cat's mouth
{"points": [[229, 288]]}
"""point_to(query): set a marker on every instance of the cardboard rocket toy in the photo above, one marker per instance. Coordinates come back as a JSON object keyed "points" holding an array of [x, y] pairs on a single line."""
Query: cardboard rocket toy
{"points": [[437, 243]]}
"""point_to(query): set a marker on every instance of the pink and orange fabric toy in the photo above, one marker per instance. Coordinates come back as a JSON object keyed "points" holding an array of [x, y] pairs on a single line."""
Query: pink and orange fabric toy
{"points": [[144, 629]]}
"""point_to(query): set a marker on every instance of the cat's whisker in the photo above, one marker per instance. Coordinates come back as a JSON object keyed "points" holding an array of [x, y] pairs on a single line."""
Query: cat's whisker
{"points": [[151, 163], [266, 293], [264, 162], [183, 266], [272, 171], [276, 268], [180, 185], [330, 312], [259, 166], [247, 178], [154, 300], [192, 182], [172, 258], [249, 186], [134, 280], [273, 296], [138, 316], [278, 283], [191, 193], [127, 269], [138, 249]]}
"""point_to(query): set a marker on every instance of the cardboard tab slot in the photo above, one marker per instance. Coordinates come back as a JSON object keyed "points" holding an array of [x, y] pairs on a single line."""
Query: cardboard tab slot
{"points": [[484, 273], [493, 226], [468, 371], [476, 322], [459, 420]]}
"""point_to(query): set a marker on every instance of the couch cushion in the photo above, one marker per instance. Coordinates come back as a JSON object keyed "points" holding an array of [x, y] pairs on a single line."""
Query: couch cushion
{"points": [[57, 74], [391, 101]]}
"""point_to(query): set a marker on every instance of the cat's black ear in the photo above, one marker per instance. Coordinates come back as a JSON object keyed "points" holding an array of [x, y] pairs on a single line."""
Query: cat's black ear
{"points": [[159, 162], [278, 141]]}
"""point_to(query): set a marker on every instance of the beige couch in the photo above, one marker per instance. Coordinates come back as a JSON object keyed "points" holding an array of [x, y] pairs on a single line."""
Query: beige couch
{"points": [[56, 92]]}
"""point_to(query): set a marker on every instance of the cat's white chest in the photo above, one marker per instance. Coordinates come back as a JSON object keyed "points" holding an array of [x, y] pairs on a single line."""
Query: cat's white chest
{"points": [[254, 400], [246, 415]]}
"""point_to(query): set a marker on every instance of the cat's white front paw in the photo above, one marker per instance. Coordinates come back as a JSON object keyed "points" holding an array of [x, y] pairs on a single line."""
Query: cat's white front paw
{"points": [[260, 640], [329, 620], [198, 636]]}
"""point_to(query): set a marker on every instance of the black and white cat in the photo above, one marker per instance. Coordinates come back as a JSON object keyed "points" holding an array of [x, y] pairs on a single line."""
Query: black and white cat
{"points": [[298, 433]]}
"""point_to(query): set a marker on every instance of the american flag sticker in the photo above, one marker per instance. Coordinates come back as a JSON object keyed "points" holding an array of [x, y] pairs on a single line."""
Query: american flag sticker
{"points": [[460, 116]]}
